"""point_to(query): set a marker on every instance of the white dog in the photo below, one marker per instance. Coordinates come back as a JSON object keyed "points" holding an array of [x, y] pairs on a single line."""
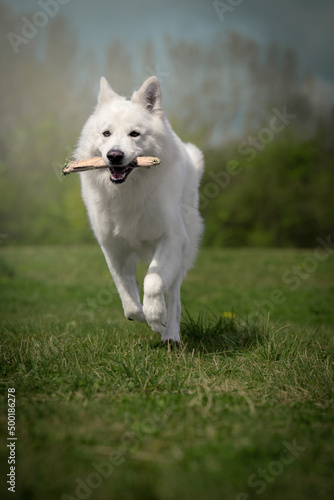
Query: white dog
{"points": [[143, 214]]}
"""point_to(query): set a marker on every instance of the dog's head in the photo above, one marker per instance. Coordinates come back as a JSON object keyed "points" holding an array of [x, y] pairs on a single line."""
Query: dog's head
{"points": [[124, 129]]}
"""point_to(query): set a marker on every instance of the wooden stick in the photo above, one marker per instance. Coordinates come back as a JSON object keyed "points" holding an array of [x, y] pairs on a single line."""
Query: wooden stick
{"points": [[98, 163]]}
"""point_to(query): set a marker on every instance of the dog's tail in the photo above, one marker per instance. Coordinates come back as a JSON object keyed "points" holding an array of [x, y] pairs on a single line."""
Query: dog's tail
{"points": [[197, 157]]}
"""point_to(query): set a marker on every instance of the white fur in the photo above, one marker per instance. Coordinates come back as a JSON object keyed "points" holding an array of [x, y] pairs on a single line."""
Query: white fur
{"points": [[153, 216]]}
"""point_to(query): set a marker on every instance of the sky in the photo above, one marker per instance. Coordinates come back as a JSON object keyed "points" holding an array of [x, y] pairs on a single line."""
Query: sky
{"points": [[304, 25]]}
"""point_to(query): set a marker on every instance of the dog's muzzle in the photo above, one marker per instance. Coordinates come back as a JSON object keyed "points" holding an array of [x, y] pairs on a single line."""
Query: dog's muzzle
{"points": [[119, 174]]}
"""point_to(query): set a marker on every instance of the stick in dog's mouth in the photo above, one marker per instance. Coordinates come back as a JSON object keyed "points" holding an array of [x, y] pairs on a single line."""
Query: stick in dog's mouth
{"points": [[98, 163]]}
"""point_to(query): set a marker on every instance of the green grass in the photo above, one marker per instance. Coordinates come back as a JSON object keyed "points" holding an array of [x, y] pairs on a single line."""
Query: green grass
{"points": [[100, 403]]}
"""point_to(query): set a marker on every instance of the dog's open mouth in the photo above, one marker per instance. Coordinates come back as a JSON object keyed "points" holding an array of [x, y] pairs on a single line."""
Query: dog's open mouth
{"points": [[119, 174]]}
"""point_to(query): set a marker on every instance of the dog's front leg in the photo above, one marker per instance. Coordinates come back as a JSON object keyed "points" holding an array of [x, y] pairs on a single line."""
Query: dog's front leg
{"points": [[154, 306], [122, 266], [164, 275]]}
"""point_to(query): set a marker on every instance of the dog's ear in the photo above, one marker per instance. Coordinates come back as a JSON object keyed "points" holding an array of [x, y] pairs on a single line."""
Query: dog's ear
{"points": [[106, 92], [149, 95]]}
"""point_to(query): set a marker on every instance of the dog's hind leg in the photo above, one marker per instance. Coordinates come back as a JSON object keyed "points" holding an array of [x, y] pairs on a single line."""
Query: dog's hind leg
{"points": [[164, 276], [122, 266], [173, 303]]}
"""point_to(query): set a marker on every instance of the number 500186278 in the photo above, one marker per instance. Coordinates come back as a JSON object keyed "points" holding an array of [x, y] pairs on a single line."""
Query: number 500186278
{"points": [[11, 411]]}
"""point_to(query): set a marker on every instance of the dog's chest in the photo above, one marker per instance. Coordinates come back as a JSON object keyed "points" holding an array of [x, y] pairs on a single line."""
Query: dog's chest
{"points": [[130, 212], [136, 218], [137, 222]]}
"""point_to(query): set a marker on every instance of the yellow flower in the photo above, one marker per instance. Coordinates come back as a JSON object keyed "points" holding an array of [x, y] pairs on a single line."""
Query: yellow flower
{"points": [[229, 315]]}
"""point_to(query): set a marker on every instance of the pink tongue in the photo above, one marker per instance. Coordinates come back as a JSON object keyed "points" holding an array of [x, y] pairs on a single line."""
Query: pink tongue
{"points": [[117, 173]]}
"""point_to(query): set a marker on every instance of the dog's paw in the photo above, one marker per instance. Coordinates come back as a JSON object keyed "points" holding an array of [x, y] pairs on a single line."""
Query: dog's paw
{"points": [[133, 312], [154, 309], [136, 316], [171, 336], [170, 344]]}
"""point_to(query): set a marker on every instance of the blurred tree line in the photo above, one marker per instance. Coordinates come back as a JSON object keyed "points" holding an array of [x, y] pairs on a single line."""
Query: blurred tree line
{"points": [[265, 184]]}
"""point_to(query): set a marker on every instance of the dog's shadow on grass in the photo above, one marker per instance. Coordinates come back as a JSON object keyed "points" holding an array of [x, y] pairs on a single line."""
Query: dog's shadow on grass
{"points": [[209, 334]]}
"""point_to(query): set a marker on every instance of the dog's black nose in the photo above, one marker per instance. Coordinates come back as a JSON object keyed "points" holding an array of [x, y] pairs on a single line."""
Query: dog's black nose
{"points": [[115, 156]]}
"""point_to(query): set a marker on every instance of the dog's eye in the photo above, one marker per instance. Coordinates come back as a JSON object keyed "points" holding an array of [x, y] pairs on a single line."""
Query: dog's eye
{"points": [[106, 133], [134, 133]]}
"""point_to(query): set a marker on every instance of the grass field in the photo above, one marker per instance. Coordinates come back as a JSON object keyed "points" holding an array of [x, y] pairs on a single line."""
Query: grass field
{"points": [[243, 410]]}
